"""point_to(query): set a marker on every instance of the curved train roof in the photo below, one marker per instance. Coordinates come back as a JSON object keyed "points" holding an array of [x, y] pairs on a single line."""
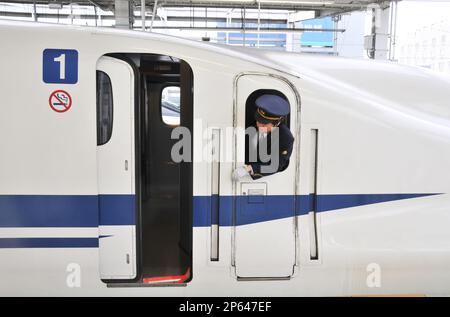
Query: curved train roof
{"points": [[389, 84], [409, 90]]}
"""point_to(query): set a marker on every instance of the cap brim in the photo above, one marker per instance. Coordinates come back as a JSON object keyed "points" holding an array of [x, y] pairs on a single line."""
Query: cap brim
{"points": [[261, 119]]}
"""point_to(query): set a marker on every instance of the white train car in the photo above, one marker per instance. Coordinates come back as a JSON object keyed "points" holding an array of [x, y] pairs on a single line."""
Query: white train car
{"points": [[92, 202]]}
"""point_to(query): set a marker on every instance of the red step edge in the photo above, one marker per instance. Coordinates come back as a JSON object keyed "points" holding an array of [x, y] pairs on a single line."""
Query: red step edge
{"points": [[169, 279]]}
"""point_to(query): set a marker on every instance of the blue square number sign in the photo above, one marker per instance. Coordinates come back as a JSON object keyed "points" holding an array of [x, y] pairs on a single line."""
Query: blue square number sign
{"points": [[60, 66]]}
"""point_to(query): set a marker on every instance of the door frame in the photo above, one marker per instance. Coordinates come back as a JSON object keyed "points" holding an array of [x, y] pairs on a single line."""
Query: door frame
{"points": [[297, 108], [139, 100], [137, 167]]}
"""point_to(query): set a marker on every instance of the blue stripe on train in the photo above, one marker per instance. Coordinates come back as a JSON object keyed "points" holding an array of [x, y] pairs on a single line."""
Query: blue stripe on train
{"points": [[252, 209], [65, 210], [82, 210], [112, 207], [6, 243]]}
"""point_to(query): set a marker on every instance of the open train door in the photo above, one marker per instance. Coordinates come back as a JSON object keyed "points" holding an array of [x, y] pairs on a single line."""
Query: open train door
{"points": [[116, 169], [265, 222]]}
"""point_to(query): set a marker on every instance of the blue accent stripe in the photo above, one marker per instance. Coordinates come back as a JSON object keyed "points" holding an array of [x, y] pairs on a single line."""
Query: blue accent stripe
{"points": [[6, 243], [271, 208], [66, 210], [254, 209], [215, 199], [83, 211], [48, 211], [333, 202], [279, 207], [117, 210]]}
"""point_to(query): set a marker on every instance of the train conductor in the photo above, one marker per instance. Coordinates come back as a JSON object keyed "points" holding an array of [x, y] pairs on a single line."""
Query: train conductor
{"points": [[272, 134]]}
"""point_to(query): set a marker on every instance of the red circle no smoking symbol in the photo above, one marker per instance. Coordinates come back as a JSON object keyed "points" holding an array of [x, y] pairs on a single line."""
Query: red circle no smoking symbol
{"points": [[60, 101]]}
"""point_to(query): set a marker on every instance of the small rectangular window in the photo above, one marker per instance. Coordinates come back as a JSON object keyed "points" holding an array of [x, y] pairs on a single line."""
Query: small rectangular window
{"points": [[170, 105], [104, 108]]}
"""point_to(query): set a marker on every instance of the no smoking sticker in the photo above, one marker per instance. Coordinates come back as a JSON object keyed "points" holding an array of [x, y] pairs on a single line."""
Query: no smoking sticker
{"points": [[60, 101]]}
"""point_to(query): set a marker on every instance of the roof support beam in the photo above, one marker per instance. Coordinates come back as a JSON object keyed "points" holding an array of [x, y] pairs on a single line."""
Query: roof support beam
{"points": [[247, 29]]}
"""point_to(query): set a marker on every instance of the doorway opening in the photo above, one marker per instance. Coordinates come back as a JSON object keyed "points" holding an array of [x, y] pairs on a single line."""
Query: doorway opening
{"points": [[163, 102], [166, 186]]}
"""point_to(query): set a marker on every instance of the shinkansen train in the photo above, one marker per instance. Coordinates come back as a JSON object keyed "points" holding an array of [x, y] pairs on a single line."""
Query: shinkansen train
{"points": [[92, 201]]}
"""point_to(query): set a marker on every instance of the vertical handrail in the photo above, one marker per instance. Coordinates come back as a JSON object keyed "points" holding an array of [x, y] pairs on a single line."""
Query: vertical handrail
{"points": [[312, 223], [215, 193]]}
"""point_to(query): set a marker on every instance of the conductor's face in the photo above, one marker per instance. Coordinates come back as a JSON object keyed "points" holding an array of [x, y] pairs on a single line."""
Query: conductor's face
{"points": [[264, 127]]}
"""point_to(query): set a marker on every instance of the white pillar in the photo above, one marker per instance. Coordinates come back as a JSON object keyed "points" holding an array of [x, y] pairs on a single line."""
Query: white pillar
{"points": [[293, 39], [123, 14], [382, 23], [393, 30], [155, 8], [34, 12], [143, 15], [259, 22], [227, 34]]}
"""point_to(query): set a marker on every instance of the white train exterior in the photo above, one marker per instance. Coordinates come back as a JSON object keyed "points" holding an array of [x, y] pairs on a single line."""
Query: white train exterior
{"points": [[362, 209]]}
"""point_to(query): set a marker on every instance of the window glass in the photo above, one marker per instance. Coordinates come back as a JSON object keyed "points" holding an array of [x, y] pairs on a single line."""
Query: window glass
{"points": [[104, 108], [252, 144], [170, 105]]}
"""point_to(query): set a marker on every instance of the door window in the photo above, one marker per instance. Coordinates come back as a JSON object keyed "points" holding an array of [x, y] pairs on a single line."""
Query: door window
{"points": [[104, 108], [170, 105]]}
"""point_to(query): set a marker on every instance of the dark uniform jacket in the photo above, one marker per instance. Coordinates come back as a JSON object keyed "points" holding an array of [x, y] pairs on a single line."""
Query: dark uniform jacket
{"points": [[286, 143]]}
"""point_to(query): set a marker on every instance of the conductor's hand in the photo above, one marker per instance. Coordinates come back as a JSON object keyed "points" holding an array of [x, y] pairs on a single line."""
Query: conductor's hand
{"points": [[240, 172]]}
